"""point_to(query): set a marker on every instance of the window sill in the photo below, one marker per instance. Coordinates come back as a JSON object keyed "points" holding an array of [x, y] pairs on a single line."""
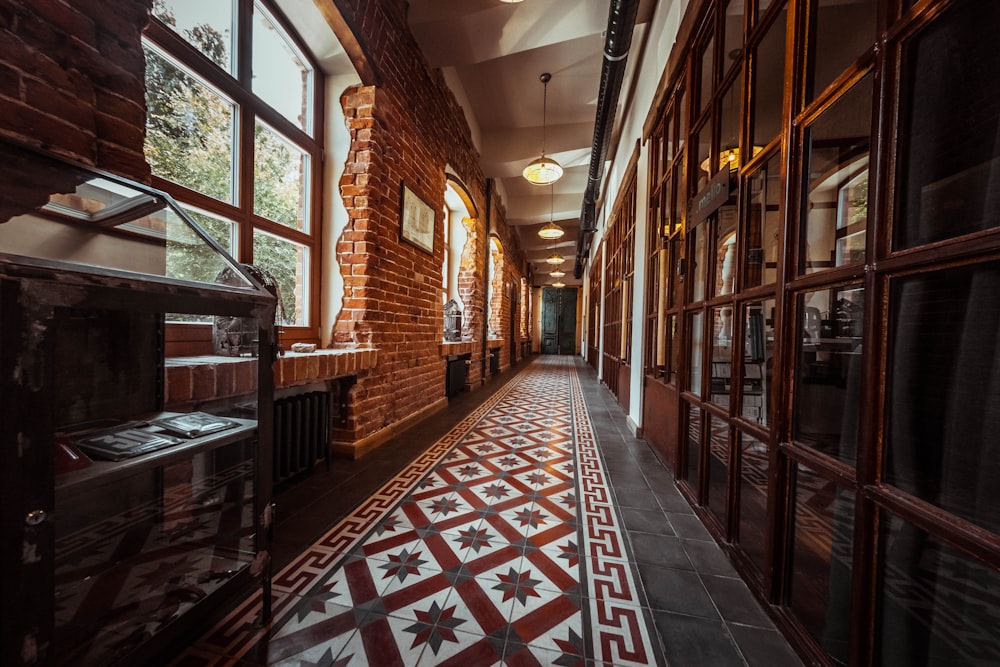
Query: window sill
{"points": [[205, 377]]}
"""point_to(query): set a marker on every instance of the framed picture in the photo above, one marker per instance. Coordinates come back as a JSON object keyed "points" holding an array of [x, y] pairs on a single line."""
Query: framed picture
{"points": [[416, 220]]}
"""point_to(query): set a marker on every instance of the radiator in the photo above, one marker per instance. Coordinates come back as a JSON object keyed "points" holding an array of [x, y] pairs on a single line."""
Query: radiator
{"points": [[301, 433]]}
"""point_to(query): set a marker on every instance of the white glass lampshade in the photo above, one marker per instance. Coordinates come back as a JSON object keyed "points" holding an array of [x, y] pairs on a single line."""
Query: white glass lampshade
{"points": [[558, 273], [543, 171], [551, 231], [555, 258], [559, 283]]}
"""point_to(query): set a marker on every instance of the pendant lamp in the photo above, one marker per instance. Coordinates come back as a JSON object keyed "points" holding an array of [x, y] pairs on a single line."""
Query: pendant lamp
{"points": [[543, 170], [551, 231]]}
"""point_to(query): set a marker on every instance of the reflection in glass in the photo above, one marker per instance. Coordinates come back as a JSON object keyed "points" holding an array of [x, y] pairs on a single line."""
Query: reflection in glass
{"points": [[100, 222], [768, 84], [843, 31], [208, 26], [288, 262], [718, 467], [944, 390], [758, 356], [677, 259], [678, 188], [197, 532], [190, 129], [730, 103], [281, 175], [699, 263], [732, 25], [682, 120], [936, 605], [753, 499], [693, 445], [820, 586], [725, 251], [697, 343], [828, 370], [703, 141], [763, 224], [722, 355], [950, 113], [836, 202], [281, 75], [674, 357], [707, 74]]}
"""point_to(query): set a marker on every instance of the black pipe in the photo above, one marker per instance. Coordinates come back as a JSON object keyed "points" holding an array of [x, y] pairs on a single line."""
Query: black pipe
{"points": [[617, 42]]}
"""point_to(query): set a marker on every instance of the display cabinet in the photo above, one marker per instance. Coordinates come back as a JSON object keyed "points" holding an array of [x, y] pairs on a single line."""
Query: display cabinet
{"points": [[136, 498]]}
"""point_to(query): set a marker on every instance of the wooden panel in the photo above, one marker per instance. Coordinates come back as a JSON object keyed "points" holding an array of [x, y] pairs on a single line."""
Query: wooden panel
{"points": [[659, 420]]}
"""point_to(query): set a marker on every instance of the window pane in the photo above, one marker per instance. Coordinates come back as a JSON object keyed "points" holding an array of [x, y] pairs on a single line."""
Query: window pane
{"points": [[281, 176], [696, 347], [753, 499], [693, 444], [768, 84], [722, 355], [190, 129], [703, 142], [763, 224], [718, 467], [725, 251], [699, 264], [828, 372], [944, 390], [949, 154], [843, 31], [733, 28], [707, 74], [729, 126], [820, 590], [758, 358], [288, 262], [678, 190], [208, 26], [674, 358], [836, 201], [281, 76], [677, 257], [682, 121], [937, 606]]}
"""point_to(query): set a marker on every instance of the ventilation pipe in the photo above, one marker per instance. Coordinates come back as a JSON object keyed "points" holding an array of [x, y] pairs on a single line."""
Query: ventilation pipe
{"points": [[617, 42]]}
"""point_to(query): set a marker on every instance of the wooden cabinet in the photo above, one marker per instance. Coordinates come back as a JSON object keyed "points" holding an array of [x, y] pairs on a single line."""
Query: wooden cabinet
{"points": [[122, 528]]}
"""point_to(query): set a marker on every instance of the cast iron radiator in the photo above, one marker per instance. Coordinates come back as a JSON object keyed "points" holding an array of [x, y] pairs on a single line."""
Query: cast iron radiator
{"points": [[301, 433]]}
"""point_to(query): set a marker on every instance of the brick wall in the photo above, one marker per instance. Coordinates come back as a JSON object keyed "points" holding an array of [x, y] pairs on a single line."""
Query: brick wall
{"points": [[406, 129], [72, 79]]}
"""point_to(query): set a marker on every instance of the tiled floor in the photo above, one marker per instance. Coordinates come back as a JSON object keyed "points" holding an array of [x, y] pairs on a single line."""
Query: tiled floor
{"points": [[523, 526]]}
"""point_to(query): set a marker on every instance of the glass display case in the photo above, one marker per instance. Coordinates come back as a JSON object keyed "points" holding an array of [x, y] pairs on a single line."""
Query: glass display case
{"points": [[136, 468]]}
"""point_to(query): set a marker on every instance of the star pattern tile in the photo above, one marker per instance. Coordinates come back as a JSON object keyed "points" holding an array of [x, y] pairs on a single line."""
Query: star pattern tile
{"points": [[482, 559]]}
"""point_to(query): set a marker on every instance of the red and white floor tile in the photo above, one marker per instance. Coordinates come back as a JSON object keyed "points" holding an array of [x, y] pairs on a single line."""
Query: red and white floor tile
{"points": [[499, 545]]}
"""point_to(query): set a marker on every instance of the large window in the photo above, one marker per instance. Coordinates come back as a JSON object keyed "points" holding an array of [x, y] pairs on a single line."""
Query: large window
{"points": [[232, 133]]}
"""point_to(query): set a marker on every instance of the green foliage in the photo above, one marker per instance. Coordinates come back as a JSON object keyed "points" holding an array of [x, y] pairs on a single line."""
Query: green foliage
{"points": [[190, 140]]}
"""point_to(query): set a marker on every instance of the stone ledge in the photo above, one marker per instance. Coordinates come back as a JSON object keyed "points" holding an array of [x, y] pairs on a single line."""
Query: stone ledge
{"points": [[202, 378], [458, 347]]}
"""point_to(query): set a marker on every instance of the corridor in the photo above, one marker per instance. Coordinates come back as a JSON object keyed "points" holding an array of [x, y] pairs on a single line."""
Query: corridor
{"points": [[523, 526]]}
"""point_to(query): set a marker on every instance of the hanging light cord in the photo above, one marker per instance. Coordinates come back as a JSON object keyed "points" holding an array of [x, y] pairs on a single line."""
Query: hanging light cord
{"points": [[545, 78]]}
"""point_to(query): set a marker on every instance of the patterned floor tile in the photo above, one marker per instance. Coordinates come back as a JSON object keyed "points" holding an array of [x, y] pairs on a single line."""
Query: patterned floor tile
{"points": [[500, 545]]}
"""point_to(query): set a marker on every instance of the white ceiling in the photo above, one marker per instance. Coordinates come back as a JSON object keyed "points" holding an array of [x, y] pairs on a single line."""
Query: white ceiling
{"points": [[492, 54]]}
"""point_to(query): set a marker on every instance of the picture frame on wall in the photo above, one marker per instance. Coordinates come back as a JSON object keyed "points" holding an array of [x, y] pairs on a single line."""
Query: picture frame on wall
{"points": [[416, 220]]}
